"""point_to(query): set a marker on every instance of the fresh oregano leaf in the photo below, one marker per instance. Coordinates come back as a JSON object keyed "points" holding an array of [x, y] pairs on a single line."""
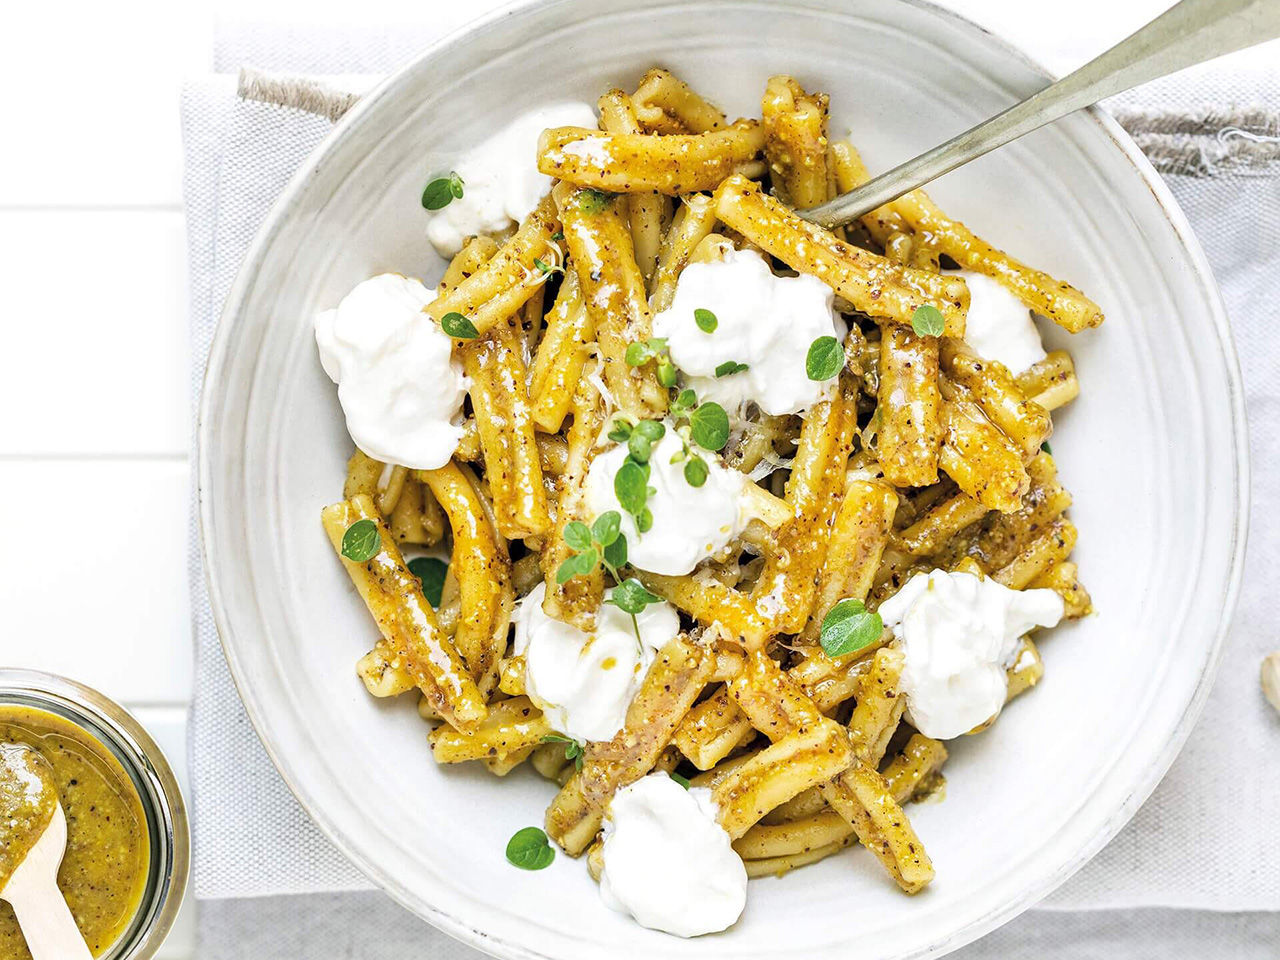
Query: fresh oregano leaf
{"points": [[579, 565], [577, 535], [431, 571], [651, 430], [667, 372], [362, 541], [630, 596], [615, 553], [730, 367], [825, 358], [927, 321], [639, 446], [529, 849], [442, 191], [630, 486], [849, 626], [607, 527], [709, 426], [695, 471], [458, 326]]}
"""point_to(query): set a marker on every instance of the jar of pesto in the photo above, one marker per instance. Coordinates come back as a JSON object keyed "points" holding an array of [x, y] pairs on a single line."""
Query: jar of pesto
{"points": [[128, 846]]}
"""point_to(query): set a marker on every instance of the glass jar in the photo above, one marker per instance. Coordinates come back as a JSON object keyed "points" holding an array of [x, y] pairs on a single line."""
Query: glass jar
{"points": [[166, 814]]}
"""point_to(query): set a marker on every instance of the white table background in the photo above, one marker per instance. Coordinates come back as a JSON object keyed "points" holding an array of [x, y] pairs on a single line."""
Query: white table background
{"points": [[93, 360]]}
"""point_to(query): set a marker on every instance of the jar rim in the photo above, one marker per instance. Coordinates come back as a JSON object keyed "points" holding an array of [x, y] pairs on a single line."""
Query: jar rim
{"points": [[153, 778]]}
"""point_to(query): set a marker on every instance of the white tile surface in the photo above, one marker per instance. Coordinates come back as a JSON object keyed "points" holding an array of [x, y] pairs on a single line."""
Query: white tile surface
{"points": [[91, 115], [94, 585], [95, 335]]}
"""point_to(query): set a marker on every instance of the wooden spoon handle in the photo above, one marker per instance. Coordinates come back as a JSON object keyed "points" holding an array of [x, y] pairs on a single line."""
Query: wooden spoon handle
{"points": [[48, 925]]}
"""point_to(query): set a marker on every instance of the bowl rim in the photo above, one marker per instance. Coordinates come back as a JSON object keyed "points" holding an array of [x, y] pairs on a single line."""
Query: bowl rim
{"points": [[219, 354]]}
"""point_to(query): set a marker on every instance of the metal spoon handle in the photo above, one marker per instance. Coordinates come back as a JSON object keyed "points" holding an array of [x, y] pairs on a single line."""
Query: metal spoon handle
{"points": [[1191, 32]]}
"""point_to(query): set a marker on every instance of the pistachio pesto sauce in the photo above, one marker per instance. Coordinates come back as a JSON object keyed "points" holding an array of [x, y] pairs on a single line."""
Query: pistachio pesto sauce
{"points": [[104, 871]]}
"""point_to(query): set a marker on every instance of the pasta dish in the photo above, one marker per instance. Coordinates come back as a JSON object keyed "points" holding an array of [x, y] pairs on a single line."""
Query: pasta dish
{"points": [[720, 521]]}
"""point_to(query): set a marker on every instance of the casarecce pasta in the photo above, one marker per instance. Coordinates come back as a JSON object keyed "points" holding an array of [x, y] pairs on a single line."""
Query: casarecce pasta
{"points": [[694, 491]]}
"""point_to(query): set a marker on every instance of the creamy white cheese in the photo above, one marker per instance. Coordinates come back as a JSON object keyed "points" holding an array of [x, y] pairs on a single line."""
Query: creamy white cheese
{"points": [[668, 862], [398, 383], [763, 320], [689, 523], [500, 179], [999, 325], [959, 634], [584, 682]]}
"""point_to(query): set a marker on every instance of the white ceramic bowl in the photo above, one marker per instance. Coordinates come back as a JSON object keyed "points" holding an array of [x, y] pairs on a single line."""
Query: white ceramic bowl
{"points": [[1153, 450]]}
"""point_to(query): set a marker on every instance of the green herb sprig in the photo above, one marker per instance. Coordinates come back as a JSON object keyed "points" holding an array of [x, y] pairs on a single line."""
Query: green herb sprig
{"points": [[641, 438], [849, 626], [631, 597], [706, 425], [631, 487], [431, 571], [572, 748], [825, 358], [706, 320], [601, 543], [927, 321], [695, 471], [442, 191], [640, 352], [458, 326], [529, 849], [730, 367], [631, 482], [604, 544], [361, 541]]}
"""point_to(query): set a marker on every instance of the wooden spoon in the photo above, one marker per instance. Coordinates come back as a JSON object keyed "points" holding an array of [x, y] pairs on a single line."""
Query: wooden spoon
{"points": [[32, 891]]}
